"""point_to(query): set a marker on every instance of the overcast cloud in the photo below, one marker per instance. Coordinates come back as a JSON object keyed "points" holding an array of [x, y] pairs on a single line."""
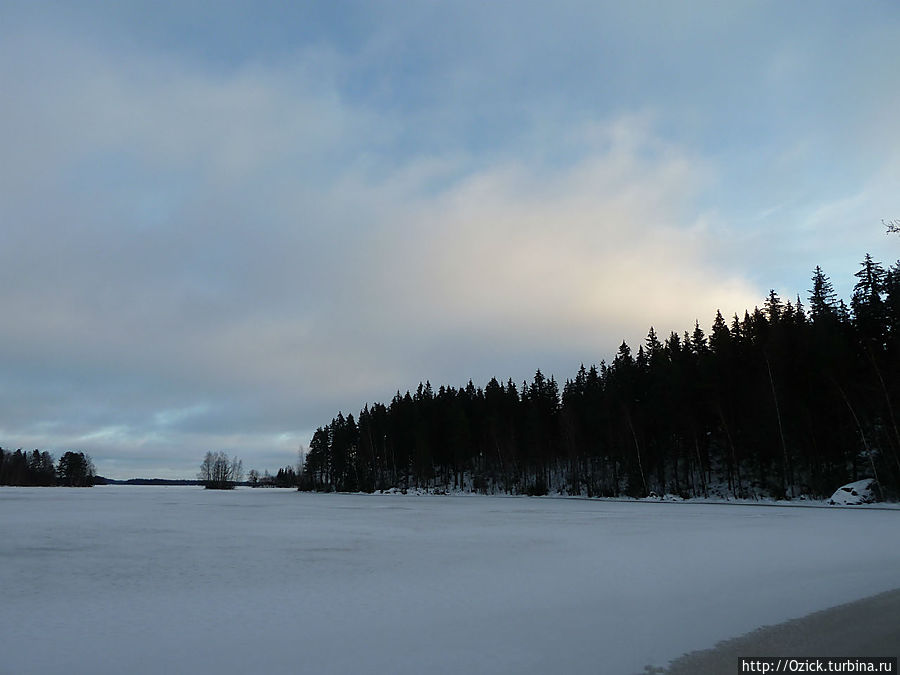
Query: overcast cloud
{"points": [[221, 223]]}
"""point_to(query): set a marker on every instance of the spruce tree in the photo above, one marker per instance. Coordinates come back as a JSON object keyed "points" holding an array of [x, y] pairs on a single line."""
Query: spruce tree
{"points": [[821, 297]]}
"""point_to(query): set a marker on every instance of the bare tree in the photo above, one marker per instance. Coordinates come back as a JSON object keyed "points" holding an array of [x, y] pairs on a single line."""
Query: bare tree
{"points": [[301, 465], [218, 471], [891, 225], [237, 470]]}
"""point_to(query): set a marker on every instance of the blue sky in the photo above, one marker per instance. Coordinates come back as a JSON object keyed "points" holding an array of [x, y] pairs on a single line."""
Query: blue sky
{"points": [[221, 223]]}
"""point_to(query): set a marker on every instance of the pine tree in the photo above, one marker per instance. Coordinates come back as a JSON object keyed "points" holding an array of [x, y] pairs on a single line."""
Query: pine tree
{"points": [[777, 400], [822, 297], [774, 307], [866, 302], [720, 338]]}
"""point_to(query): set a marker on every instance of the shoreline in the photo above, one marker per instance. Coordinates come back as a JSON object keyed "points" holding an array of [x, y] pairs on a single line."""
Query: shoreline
{"points": [[413, 492], [866, 627]]}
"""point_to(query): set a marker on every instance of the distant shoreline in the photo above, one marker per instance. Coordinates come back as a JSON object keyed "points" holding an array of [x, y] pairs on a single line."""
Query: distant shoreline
{"points": [[101, 480]]}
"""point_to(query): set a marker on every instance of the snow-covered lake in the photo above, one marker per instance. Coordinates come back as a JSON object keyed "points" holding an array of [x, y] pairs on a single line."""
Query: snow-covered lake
{"points": [[169, 579]]}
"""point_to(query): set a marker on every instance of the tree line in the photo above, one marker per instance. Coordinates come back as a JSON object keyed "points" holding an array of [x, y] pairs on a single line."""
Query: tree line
{"points": [[36, 468], [286, 477], [788, 400]]}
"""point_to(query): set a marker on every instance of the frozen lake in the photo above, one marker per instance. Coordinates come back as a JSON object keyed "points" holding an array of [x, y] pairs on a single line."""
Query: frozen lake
{"points": [[170, 579]]}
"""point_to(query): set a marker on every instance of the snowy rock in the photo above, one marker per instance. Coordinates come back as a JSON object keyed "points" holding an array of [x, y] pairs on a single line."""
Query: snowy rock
{"points": [[861, 492]]}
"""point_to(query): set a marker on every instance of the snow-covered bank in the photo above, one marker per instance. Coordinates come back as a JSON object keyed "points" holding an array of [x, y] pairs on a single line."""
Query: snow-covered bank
{"points": [[180, 579], [868, 627], [804, 501]]}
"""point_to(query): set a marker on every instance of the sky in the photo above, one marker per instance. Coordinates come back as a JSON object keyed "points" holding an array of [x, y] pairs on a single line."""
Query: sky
{"points": [[223, 222]]}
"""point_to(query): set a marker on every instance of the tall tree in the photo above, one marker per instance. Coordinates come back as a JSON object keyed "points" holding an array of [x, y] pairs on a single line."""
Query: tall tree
{"points": [[822, 297], [75, 469]]}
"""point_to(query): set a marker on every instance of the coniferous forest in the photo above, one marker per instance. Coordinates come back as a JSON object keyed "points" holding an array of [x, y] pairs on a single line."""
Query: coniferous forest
{"points": [[792, 399], [74, 469]]}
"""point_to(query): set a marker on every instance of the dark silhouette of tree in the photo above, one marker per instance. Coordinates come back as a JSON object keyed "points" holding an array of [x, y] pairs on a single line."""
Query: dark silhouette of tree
{"points": [[220, 472], [36, 468], [822, 297], [780, 401], [867, 302], [75, 469]]}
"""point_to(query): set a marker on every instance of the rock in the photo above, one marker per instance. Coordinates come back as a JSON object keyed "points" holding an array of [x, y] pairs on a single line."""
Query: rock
{"points": [[863, 491]]}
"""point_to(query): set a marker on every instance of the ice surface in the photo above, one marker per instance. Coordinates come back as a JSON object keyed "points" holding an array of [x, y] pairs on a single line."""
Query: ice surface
{"points": [[171, 579]]}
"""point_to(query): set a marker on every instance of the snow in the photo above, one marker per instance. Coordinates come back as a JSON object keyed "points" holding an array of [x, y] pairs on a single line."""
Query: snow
{"points": [[854, 494], [178, 579]]}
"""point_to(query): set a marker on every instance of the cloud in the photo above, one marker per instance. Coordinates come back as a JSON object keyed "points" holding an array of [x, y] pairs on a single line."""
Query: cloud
{"points": [[589, 251], [201, 253]]}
